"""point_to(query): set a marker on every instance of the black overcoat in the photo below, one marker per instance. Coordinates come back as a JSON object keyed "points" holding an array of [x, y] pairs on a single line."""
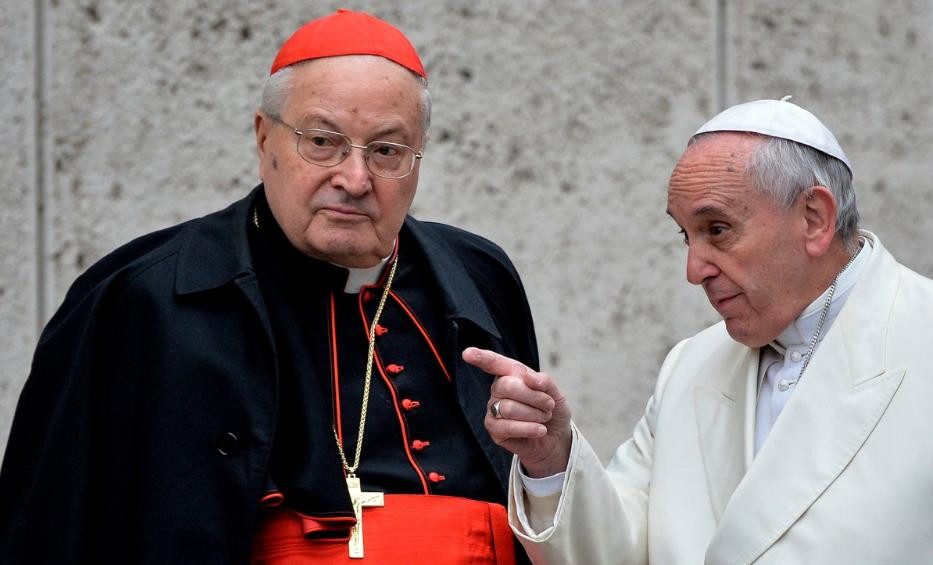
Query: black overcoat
{"points": [[143, 432]]}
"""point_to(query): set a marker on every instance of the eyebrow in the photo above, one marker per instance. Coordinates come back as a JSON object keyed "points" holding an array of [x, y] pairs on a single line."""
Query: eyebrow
{"points": [[708, 210], [318, 121]]}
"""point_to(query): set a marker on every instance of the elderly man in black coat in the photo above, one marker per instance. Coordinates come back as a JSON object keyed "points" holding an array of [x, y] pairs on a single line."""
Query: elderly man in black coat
{"points": [[256, 384]]}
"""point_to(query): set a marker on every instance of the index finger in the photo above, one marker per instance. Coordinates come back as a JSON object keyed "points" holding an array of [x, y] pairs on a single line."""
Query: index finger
{"points": [[492, 362]]}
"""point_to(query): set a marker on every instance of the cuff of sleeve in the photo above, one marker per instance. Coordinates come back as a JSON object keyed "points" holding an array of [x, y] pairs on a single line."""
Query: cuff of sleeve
{"points": [[541, 487]]}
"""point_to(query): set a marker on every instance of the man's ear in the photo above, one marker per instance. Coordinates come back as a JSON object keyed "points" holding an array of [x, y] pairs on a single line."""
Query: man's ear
{"points": [[820, 215], [261, 126]]}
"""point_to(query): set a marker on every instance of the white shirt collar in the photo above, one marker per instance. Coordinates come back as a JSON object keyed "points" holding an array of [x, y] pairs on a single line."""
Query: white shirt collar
{"points": [[359, 277]]}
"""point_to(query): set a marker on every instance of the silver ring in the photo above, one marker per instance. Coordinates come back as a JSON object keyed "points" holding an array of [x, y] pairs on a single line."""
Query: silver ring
{"points": [[494, 409]]}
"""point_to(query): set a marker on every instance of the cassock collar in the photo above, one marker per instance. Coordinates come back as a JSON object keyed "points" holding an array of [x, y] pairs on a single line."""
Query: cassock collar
{"points": [[801, 330], [216, 251], [357, 278]]}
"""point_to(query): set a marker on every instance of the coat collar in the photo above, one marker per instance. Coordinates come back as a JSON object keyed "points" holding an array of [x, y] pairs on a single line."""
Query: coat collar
{"points": [[215, 251], [458, 289], [836, 406], [215, 248]]}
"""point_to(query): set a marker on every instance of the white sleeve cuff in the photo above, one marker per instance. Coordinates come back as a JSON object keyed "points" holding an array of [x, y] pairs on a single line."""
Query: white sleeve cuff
{"points": [[543, 487]]}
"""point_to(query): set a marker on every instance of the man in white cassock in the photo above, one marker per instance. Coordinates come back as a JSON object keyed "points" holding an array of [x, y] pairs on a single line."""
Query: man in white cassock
{"points": [[794, 431]]}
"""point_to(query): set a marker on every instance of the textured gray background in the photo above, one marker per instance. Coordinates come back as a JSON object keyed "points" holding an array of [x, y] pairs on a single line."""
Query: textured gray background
{"points": [[556, 125]]}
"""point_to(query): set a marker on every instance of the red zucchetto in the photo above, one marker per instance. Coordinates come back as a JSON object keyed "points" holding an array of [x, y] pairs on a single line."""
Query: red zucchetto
{"points": [[348, 33]]}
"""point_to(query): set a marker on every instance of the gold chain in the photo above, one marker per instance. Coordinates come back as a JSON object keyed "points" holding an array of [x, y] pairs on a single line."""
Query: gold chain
{"points": [[351, 469]]}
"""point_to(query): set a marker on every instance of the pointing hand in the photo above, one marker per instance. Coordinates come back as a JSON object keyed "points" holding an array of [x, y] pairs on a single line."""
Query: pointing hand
{"points": [[528, 414]]}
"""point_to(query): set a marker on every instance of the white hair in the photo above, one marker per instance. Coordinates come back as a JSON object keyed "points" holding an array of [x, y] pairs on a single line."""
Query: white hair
{"points": [[277, 88], [785, 169]]}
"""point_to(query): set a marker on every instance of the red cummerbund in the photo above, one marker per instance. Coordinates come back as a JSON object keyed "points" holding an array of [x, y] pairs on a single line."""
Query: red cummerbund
{"points": [[410, 528]]}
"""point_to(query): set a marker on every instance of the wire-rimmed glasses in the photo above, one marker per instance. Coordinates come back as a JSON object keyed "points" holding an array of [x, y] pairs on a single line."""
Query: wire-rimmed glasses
{"points": [[327, 148]]}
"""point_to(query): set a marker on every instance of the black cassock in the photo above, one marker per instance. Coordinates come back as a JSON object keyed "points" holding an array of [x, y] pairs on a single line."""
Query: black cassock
{"points": [[196, 371]]}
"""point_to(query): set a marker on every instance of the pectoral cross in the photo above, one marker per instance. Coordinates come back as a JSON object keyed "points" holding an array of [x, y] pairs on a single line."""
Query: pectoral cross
{"points": [[360, 499]]}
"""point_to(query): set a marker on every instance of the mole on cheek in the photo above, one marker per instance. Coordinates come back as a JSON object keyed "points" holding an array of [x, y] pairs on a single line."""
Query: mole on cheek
{"points": [[275, 163]]}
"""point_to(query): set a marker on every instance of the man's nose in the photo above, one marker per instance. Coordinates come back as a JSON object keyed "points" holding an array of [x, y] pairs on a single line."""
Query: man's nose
{"points": [[699, 265], [352, 174]]}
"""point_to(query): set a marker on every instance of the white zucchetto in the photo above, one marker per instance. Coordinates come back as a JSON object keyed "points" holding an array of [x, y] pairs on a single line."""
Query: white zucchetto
{"points": [[778, 118]]}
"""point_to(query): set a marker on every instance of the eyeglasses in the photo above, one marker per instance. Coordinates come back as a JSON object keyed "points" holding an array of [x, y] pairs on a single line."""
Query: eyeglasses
{"points": [[329, 148]]}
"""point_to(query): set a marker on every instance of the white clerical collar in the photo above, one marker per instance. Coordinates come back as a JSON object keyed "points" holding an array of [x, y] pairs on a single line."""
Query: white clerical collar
{"points": [[801, 330], [359, 277]]}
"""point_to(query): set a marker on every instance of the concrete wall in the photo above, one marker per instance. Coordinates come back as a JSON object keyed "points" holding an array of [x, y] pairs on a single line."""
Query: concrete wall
{"points": [[20, 184], [556, 126]]}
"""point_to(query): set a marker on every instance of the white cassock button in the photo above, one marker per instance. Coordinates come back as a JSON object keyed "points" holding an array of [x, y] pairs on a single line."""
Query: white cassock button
{"points": [[784, 384], [796, 356]]}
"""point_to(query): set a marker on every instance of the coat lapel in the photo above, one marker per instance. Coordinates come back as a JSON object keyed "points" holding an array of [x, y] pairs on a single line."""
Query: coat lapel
{"points": [[836, 406], [721, 408]]}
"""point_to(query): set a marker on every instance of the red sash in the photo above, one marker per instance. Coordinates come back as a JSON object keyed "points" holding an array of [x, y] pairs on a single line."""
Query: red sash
{"points": [[410, 528]]}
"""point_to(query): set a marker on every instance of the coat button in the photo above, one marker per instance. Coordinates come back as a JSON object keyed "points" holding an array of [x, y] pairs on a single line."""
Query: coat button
{"points": [[418, 445], [409, 404], [436, 477], [381, 330], [227, 444], [395, 369]]}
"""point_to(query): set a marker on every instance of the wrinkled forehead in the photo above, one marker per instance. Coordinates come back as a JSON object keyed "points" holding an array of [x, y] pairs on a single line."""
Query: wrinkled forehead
{"points": [[357, 85], [715, 157], [714, 168]]}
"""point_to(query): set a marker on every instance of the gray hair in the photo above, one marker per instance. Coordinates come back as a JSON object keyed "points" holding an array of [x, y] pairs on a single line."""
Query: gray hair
{"points": [[785, 169], [278, 87]]}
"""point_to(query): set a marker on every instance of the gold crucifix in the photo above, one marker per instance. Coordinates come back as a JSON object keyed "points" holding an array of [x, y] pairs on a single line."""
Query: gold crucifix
{"points": [[360, 499]]}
